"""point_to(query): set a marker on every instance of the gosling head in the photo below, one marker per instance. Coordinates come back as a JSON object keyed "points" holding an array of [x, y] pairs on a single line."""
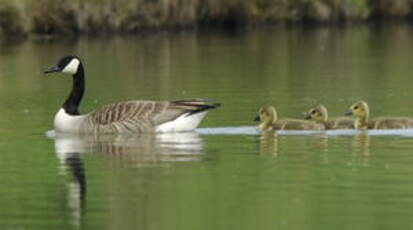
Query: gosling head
{"points": [[317, 113], [267, 115], [359, 109], [68, 65]]}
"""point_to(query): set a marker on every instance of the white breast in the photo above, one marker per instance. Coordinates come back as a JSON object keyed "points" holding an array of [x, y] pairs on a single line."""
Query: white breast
{"points": [[182, 123], [66, 123]]}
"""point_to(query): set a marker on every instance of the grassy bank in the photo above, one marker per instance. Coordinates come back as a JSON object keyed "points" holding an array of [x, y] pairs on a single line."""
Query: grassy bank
{"points": [[26, 17]]}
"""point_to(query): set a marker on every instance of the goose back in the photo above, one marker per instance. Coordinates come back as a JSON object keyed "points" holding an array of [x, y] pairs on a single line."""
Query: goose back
{"points": [[140, 116]]}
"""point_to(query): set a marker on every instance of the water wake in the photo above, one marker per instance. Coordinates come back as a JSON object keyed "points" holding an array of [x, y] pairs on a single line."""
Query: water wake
{"points": [[250, 130]]}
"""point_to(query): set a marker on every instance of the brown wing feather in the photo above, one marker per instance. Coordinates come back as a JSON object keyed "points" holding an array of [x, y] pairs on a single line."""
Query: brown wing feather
{"points": [[178, 108], [129, 110], [155, 112]]}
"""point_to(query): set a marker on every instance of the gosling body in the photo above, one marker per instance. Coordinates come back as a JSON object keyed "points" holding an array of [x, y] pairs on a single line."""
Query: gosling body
{"points": [[390, 123], [361, 111], [319, 114], [267, 115]]}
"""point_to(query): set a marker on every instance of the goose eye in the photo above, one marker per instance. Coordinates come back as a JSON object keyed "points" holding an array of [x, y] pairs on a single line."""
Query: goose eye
{"points": [[356, 107]]}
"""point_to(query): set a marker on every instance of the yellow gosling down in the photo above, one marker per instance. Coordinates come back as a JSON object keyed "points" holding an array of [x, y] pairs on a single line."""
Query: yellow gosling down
{"points": [[360, 110], [267, 115], [319, 114]]}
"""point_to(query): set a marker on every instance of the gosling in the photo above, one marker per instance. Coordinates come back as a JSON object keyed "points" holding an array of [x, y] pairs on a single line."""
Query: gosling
{"points": [[360, 110], [267, 115], [319, 114]]}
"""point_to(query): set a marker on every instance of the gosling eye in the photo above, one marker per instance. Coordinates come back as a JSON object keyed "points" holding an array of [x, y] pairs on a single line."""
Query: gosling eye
{"points": [[313, 112], [356, 107]]}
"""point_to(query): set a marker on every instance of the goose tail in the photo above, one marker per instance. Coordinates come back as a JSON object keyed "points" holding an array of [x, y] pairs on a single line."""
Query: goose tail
{"points": [[191, 114], [197, 106]]}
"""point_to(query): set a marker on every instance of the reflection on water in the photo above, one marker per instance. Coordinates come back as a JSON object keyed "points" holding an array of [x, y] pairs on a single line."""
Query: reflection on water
{"points": [[77, 188], [361, 144], [361, 149], [268, 143], [140, 151]]}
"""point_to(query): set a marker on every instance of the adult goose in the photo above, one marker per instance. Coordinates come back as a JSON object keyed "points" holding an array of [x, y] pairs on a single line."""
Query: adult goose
{"points": [[360, 110], [267, 115], [123, 117]]}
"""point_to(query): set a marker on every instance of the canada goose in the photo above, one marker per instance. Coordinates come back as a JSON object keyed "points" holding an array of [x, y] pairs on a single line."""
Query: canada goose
{"points": [[319, 114], [123, 117], [361, 111], [268, 117]]}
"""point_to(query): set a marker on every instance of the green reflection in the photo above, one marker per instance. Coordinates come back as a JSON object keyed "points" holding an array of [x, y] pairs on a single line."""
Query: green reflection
{"points": [[227, 181]]}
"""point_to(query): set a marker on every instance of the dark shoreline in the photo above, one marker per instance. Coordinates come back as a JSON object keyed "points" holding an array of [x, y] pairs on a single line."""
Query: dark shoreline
{"points": [[55, 18]]}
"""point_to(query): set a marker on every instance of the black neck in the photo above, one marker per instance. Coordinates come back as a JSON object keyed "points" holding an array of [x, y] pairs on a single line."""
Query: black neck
{"points": [[71, 105]]}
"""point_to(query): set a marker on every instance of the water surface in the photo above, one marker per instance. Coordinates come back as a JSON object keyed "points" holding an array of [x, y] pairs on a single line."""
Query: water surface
{"points": [[225, 175]]}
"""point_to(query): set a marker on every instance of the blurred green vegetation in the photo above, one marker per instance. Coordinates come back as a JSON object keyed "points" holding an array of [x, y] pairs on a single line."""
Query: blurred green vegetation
{"points": [[25, 17]]}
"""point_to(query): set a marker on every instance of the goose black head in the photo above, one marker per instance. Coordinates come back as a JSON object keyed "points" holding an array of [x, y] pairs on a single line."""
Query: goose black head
{"points": [[68, 65]]}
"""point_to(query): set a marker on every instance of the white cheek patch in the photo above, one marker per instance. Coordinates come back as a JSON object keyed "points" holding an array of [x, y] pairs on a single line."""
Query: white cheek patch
{"points": [[71, 68]]}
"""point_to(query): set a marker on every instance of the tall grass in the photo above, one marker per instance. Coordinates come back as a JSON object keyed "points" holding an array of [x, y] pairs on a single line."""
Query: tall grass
{"points": [[22, 17]]}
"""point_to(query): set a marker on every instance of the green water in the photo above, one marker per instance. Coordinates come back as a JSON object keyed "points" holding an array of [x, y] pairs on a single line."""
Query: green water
{"points": [[206, 179]]}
